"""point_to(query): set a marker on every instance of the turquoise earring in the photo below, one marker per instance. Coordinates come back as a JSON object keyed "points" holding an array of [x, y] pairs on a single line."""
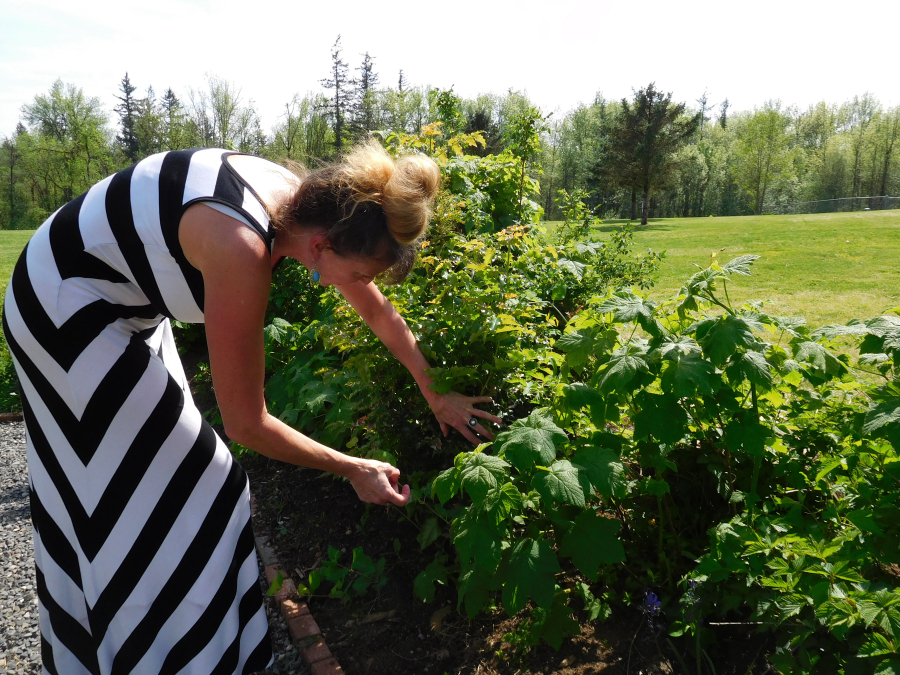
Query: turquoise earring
{"points": [[315, 275]]}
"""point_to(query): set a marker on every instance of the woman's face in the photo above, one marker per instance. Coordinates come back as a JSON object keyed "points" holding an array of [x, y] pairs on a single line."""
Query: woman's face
{"points": [[336, 270]]}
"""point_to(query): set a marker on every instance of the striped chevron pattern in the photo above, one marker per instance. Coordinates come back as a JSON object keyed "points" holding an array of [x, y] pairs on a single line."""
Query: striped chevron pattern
{"points": [[144, 553]]}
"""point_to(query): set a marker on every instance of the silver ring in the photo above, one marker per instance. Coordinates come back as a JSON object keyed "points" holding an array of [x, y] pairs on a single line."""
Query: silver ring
{"points": [[473, 422]]}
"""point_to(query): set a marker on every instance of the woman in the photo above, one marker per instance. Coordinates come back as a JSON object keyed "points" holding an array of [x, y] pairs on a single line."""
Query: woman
{"points": [[143, 546]]}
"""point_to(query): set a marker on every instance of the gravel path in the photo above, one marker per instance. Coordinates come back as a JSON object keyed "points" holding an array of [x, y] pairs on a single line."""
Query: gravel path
{"points": [[20, 640]]}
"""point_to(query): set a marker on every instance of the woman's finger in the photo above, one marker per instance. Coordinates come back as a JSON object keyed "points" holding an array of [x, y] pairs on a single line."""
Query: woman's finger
{"points": [[484, 432], [399, 498], [464, 430]]}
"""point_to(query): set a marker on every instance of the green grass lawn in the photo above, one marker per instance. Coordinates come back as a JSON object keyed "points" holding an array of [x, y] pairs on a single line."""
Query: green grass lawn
{"points": [[11, 244], [828, 268]]}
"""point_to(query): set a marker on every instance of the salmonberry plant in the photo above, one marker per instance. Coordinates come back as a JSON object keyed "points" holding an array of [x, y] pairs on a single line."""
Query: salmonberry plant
{"points": [[735, 465]]}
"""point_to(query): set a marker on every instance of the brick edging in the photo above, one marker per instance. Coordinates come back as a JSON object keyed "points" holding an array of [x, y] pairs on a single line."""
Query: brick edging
{"points": [[303, 629]]}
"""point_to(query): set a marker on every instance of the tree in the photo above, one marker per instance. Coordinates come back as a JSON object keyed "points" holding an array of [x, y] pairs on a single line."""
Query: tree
{"points": [[127, 110], [647, 133], [764, 151], [338, 104], [365, 117], [218, 117], [148, 125], [859, 114], [723, 113], [173, 132], [886, 140], [523, 138], [69, 147], [11, 160]]}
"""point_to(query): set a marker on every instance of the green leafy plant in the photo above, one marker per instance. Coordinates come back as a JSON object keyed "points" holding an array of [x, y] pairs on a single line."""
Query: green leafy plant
{"points": [[362, 576]]}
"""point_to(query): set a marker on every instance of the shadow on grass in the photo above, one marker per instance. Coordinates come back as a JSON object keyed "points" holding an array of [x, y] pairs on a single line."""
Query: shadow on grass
{"points": [[653, 224]]}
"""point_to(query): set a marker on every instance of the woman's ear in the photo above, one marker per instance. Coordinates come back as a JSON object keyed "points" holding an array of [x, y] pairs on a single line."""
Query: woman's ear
{"points": [[318, 243]]}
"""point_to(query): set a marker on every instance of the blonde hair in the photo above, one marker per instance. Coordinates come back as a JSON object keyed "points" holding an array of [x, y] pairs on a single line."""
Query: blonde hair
{"points": [[405, 187], [369, 205]]}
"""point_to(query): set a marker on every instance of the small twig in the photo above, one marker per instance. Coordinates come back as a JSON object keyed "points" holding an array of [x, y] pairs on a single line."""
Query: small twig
{"points": [[628, 663]]}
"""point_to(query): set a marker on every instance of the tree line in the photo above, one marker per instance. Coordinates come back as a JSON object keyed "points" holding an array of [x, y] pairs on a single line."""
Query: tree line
{"points": [[642, 157]]}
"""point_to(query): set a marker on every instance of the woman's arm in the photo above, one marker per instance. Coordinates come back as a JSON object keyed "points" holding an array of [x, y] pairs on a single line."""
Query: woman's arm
{"points": [[236, 268], [452, 409]]}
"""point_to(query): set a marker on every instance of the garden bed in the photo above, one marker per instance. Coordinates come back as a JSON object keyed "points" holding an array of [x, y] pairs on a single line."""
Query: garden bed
{"points": [[304, 512]]}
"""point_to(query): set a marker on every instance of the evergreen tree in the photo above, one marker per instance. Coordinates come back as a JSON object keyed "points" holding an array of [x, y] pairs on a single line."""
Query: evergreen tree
{"points": [[338, 104], [723, 114], [148, 125], [649, 130], [127, 110], [402, 84], [173, 121], [365, 116]]}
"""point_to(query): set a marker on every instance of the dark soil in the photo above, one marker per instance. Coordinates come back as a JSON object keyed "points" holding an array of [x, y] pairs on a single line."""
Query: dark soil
{"points": [[305, 512]]}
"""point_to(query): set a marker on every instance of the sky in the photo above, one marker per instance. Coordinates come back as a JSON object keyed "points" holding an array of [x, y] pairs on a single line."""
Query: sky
{"points": [[560, 53]]}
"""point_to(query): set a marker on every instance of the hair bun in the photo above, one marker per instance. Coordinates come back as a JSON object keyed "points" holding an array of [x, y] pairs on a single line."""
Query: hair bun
{"points": [[405, 188]]}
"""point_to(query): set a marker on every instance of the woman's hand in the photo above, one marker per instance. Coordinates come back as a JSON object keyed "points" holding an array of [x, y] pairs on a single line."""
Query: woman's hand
{"points": [[377, 482], [455, 410]]}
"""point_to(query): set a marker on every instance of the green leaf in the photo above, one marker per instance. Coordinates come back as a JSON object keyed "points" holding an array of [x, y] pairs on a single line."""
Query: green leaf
{"points": [[474, 589], [621, 369], [362, 562], [721, 337], [869, 611], [530, 573], [880, 413], [531, 441], [827, 467], [276, 331], [481, 473], [593, 541], [833, 331], [626, 306], [447, 484], [702, 282], [685, 374], [501, 502], [865, 521], [751, 366], [476, 538], [555, 625], [558, 292], [603, 469], [597, 609], [276, 584], [578, 346], [431, 530], [876, 645], [818, 357], [670, 347], [751, 436], [561, 484], [572, 266], [740, 265], [661, 417], [889, 666], [579, 395], [434, 573]]}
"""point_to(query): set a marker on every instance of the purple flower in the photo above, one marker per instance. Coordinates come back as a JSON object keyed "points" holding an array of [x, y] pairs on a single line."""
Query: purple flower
{"points": [[651, 603]]}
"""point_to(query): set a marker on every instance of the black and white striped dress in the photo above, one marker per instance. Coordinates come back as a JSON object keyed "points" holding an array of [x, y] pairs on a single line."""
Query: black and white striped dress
{"points": [[143, 547]]}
